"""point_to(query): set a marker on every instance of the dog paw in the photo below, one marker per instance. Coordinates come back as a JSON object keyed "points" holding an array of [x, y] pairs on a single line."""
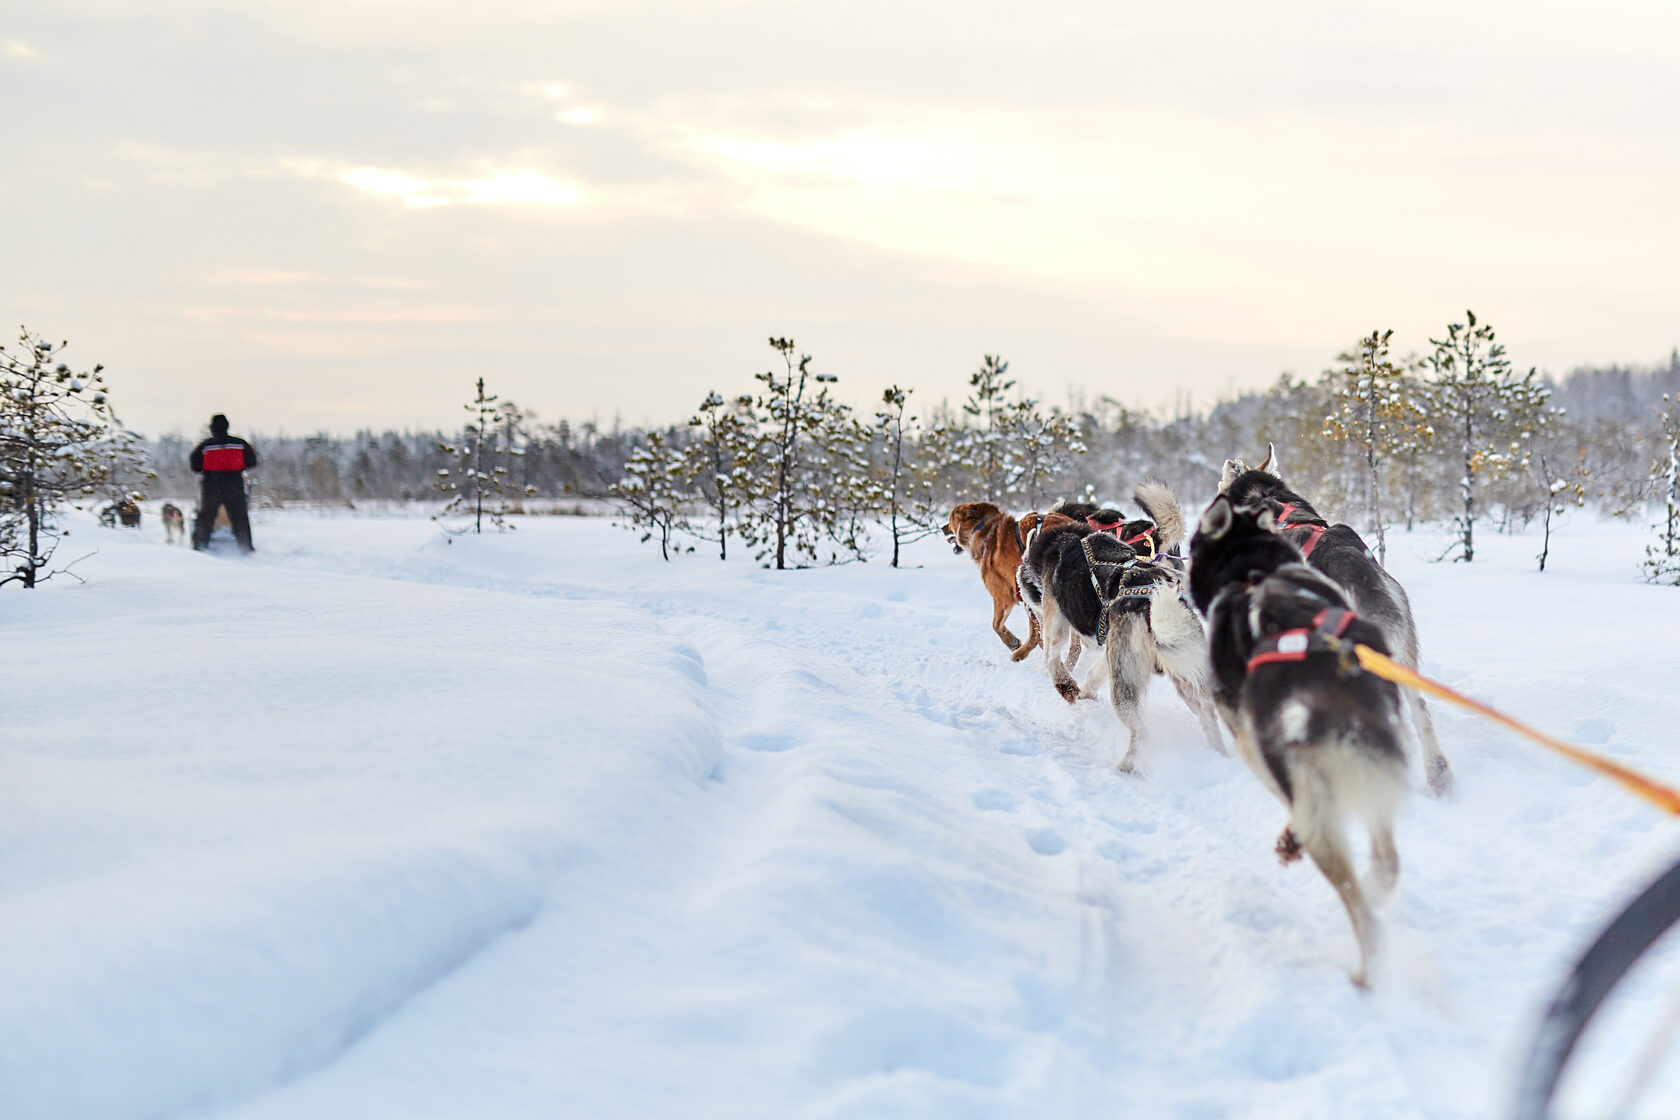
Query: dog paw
{"points": [[1288, 847], [1069, 690], [1440, 776], [1131, 765], [1020, 654]]}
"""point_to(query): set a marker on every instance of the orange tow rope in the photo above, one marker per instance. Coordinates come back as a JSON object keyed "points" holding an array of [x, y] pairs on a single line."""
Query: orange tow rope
{"points": [[1663, 797]]}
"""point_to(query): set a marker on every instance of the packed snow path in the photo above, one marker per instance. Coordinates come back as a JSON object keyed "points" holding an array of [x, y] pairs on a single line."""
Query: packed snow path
{"points": [[536, 825]]}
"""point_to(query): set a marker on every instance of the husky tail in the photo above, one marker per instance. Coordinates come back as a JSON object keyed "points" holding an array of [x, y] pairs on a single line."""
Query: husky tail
{"points": [[1158, 504]]}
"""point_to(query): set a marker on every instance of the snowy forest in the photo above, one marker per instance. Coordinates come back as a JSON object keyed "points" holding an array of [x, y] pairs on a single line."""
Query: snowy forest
{"points": [[1450, 432]]}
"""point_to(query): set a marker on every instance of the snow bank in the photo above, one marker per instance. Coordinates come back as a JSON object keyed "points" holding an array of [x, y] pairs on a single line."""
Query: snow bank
{"points": [[536, 825]]}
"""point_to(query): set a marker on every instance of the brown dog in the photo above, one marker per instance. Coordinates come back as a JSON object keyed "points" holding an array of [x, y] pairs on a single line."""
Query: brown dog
{"points": [[995, 540]]}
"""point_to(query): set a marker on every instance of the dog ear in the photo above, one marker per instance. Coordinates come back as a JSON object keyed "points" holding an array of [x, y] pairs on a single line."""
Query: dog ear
{"points": [[1266, 521], [1216, 521], [1029, 522], [1233, 468], [1270, 466]]}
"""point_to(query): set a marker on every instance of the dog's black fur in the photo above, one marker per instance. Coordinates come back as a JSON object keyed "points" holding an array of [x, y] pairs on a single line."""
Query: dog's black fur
{"points": [[1146, 633], [1321, 733], [1376, 596], [123, 511], [1057, 556]]}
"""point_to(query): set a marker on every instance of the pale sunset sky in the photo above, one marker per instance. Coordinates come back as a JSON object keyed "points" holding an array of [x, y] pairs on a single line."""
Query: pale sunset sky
{"points": [[328, 214]]}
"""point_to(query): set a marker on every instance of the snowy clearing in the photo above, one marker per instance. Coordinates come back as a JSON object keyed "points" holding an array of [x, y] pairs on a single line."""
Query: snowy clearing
{"points": [[375, 825]]}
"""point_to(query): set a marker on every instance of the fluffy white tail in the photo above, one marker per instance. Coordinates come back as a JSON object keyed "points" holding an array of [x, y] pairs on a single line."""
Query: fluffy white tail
{"points": [[1158, 504]]}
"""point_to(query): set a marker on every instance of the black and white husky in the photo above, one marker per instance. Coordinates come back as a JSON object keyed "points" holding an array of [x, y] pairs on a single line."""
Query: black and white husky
{"points": [[1318, 731], [1340, 553], [1090, 584]]}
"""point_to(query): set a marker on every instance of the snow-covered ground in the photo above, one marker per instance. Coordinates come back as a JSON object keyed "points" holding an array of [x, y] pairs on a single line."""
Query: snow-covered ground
{"points": [[375, 825]]}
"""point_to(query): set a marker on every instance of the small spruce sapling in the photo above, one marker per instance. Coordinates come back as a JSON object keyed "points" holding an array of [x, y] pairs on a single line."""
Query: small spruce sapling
{"points": [[1484, 411], [1374, 412], [651, 494], [717, 464], [59, 441], [899, 488], [476, 484], [1662, 559]]}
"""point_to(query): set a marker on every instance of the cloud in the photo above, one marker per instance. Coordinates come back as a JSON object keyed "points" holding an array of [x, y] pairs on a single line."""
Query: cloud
{"points": [[494, 187]]}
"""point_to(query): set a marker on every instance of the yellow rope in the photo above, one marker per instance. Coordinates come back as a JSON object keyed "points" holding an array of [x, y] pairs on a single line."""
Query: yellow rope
{"points": [[1664, 797]]}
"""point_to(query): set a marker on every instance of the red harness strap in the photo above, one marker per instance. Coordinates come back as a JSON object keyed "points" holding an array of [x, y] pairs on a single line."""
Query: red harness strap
{"points": [[1294, 645], [1314, 532], [1115, 527]]}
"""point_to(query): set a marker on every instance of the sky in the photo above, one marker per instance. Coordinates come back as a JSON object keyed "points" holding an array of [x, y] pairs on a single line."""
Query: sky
{"points": [[322, 215]]}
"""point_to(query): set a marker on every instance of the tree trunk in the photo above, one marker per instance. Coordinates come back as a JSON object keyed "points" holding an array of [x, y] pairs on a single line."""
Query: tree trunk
{"points": [[32, 561], [1467, 526]]}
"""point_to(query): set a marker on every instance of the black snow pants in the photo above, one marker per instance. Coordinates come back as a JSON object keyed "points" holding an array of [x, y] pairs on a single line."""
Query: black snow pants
{"points": [[222, 491]]}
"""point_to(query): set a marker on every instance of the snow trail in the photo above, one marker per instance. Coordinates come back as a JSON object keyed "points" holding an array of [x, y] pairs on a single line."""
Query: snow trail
{"points": [[536, 825]]}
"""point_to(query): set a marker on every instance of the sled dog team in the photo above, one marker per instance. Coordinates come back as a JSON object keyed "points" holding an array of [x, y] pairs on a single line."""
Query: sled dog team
{"points": [[1285, 595]]}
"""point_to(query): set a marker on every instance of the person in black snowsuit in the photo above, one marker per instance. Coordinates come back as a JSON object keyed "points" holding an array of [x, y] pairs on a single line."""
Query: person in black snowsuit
{"points": [[222, 460]]}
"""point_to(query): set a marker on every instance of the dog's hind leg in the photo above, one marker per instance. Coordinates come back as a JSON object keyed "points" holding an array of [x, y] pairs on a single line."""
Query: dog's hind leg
{"points": [[1316, 823], [1094, 681], [1181, 646], [1076, 646], [1195, 698], [1385, 861], [1034, 636], [1056, 630], [1437, 771], [1131, 664], [1000, 612]]}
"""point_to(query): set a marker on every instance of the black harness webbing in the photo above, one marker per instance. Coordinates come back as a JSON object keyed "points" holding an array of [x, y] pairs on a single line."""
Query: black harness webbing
{"points": [[1104, 602]]}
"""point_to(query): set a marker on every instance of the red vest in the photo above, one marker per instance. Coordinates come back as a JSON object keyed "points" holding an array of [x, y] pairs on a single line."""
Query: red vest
{"points": [[224, 457]]}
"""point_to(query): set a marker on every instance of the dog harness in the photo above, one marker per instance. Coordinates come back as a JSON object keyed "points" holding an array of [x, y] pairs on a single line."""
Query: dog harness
{"points": [[1296, 645], [1314, 531], [1115, 528], [1104, 602]]}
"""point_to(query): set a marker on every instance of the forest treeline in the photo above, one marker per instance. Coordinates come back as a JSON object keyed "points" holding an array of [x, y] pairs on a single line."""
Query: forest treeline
{"points": [[777, 466], [1452, 432]]}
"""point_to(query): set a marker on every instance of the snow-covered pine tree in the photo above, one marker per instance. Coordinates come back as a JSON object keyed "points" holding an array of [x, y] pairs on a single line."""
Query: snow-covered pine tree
{"points": [[987, 449], [1375, 413], [1662, 560], [790, 514], [511, 438], [938, 479], [1008, 451], [849, 492], [478, 484], [717, 463], [904, 494], [1484, 412], [652, 492], [1044, 445], [1557, 490], [59, 440]]}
